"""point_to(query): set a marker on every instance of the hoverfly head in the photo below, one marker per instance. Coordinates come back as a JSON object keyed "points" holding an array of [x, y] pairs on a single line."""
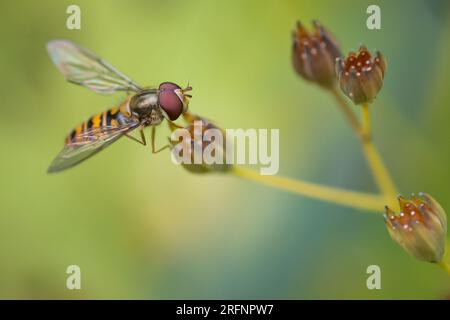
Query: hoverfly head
{"points": [[173, 100]]}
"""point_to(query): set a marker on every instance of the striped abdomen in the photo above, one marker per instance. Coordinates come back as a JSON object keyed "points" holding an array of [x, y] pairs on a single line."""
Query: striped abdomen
{"points": [[114, 117]]}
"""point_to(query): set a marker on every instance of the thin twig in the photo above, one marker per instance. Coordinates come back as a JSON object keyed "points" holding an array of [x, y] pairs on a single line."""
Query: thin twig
{"points": [[379, 171], [354, 199], [366, 127], [349, 114]]}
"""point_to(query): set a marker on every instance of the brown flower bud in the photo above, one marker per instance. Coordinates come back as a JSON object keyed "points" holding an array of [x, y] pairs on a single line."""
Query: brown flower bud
{"points": [[202, 133], [314, 54], [360, 75], [420, 227]]}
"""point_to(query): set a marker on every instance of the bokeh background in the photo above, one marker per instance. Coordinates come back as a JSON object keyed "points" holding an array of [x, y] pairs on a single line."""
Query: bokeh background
{"points": [[140, 227]]}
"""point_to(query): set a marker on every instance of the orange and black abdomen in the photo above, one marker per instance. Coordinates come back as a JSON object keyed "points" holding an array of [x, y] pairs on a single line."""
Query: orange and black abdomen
{"points": [[113, 117]]}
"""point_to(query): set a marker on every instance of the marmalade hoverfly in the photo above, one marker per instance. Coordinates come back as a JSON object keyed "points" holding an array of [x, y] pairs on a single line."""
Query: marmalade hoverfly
{"points": [[146, 107]]}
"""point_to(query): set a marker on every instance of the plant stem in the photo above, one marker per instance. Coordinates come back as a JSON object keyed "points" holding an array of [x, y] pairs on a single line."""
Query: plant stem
{"points": [[366, 129], [354, 199], [349, 114], [363, 131], [444, 264], [380, 173]]}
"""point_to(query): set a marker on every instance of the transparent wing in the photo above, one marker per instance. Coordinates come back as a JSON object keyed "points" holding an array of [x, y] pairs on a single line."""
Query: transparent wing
{"points": [[82, 67], [88, 144]]}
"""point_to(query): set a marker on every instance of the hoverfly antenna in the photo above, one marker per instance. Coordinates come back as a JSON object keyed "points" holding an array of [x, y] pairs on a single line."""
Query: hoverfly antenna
{"points": [[188, 88]]}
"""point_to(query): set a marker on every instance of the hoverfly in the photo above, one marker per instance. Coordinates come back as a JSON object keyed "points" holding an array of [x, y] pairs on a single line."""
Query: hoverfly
{"points": [[145, 107]]}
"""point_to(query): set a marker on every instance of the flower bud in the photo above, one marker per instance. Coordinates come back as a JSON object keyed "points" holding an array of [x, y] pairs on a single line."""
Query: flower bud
{"points": [[314, 54], [198, 146], [420, 227], [360, 75]]}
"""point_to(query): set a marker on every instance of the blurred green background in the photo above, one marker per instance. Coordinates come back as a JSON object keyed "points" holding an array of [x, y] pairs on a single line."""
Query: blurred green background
{"points": [[140, 227]]}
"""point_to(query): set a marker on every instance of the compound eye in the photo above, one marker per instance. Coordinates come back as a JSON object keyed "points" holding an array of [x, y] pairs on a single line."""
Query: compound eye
{"points": [[169, 86], [170, 102]]}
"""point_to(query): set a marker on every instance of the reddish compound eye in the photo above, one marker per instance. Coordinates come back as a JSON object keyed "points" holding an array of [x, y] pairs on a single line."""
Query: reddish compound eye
{"points": [[169, 101], [168, 86]]}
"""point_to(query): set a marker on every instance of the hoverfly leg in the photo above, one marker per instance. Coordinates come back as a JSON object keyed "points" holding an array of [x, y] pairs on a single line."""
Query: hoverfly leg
{"points": [[174, 125], [153, 142], [142, 141]]}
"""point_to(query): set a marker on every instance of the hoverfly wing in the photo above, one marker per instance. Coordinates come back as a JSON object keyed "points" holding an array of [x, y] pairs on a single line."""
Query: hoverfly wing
{"points": [[82, 67], [89, 143]]}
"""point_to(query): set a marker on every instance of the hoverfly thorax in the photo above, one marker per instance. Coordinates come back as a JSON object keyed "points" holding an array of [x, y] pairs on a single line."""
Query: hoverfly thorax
{"points": [[173, 100], [145, 106]]}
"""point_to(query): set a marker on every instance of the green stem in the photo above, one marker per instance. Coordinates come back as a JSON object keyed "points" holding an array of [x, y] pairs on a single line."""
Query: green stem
{"points": [[363, 131], [366, 127], [353, 199], [444, 264], [380, 173], [347, 111]]}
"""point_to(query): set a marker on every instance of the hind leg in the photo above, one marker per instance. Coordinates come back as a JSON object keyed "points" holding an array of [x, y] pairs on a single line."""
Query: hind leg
{"points": [[153, 142], [142, 141]]}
